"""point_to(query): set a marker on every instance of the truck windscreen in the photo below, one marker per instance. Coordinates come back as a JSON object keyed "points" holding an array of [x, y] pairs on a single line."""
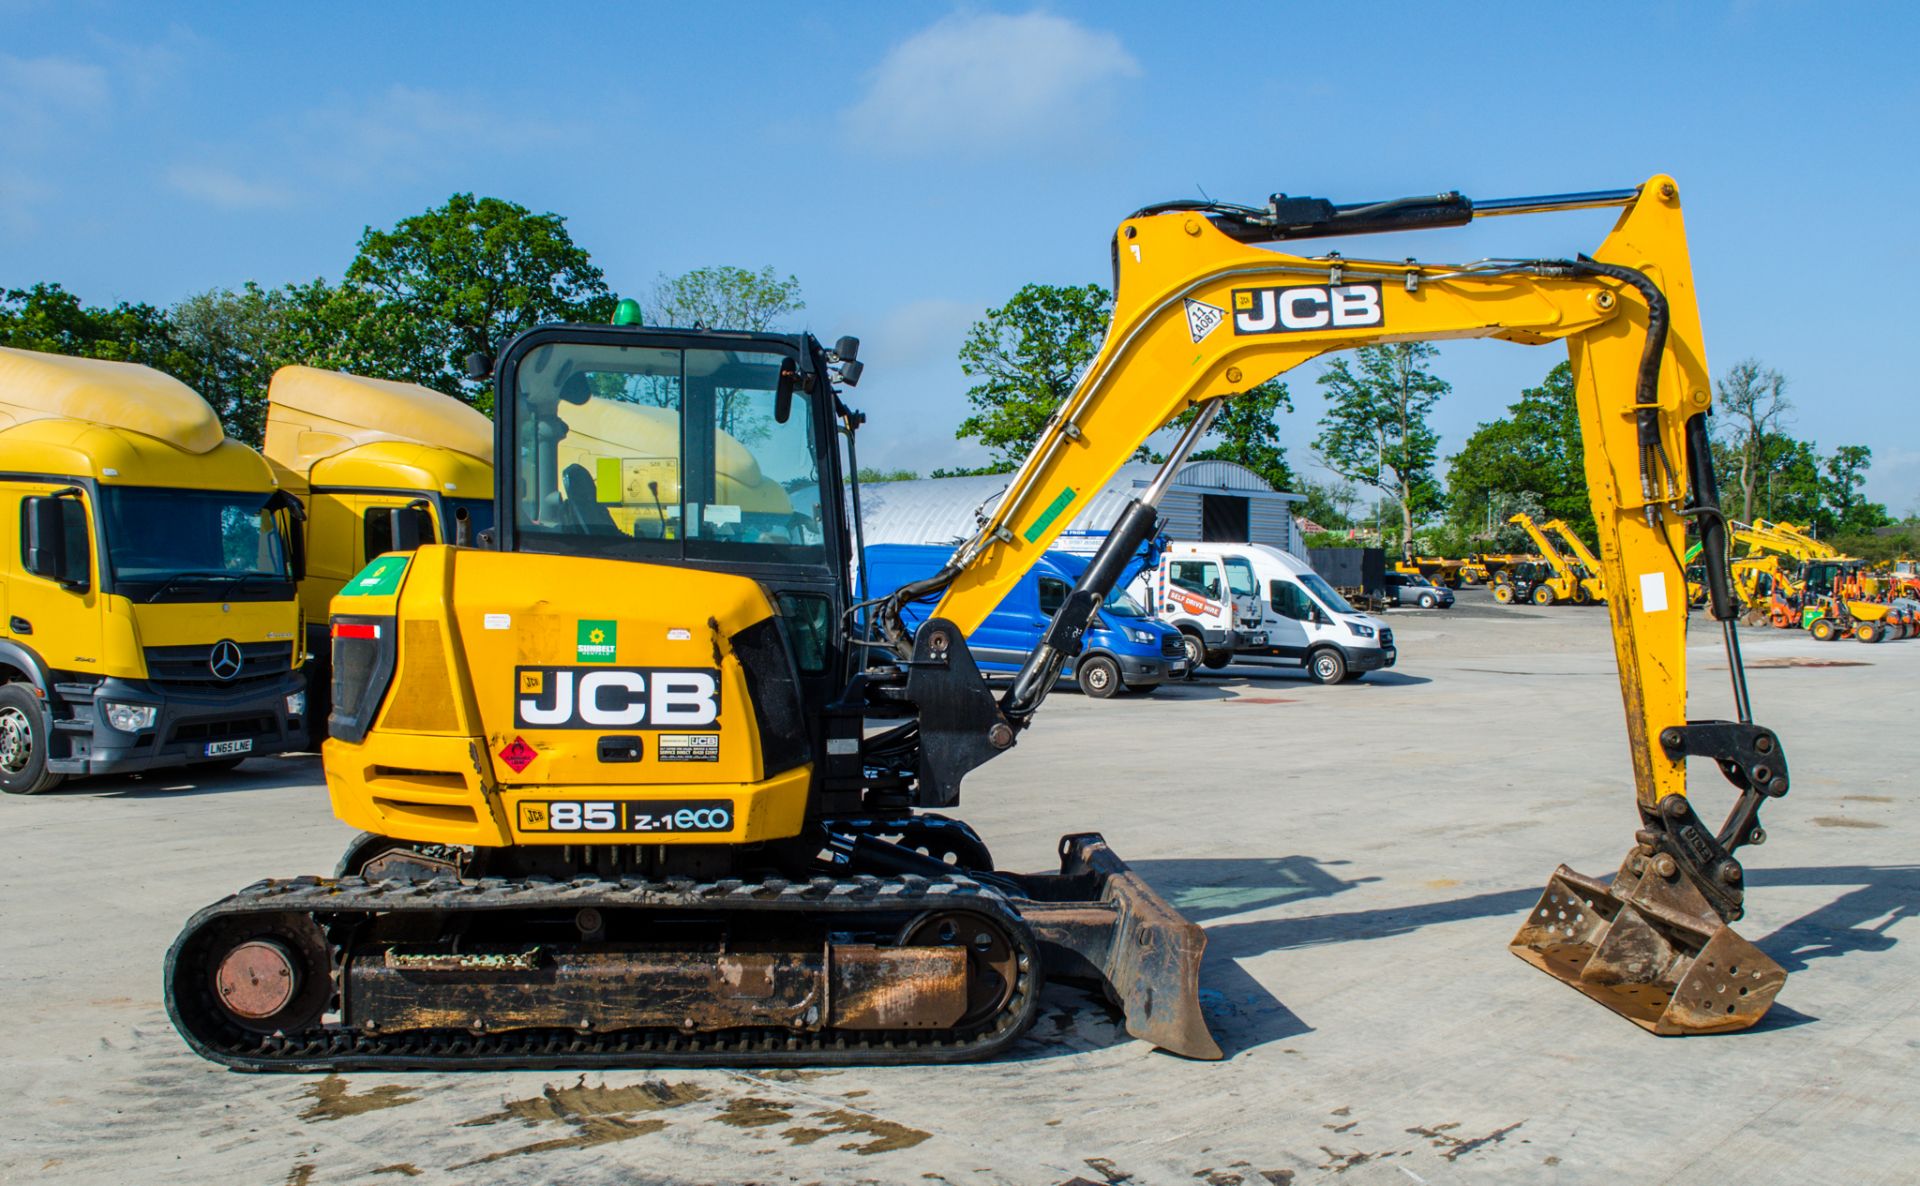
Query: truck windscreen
{"points": [[193, 545]]}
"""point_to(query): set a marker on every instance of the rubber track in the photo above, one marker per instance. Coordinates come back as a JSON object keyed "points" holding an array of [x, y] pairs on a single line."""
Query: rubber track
{"points": [[336, 1048]]}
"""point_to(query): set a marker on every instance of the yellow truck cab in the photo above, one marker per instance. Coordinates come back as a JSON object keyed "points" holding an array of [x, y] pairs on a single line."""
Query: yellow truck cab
{"points": [[150, 611], [380, 467]]}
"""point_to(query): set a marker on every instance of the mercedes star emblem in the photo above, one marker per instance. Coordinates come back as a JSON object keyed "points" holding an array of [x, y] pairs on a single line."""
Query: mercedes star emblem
{"points": [[225, 660]]}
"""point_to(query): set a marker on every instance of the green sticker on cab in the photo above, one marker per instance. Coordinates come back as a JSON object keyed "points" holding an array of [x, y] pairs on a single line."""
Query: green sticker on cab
{"points": [[381, 578], [597, 641]]}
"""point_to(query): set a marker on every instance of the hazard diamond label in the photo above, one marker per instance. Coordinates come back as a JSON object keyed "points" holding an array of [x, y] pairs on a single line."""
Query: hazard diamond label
{"points": [[518, 755], [1203, 319]]}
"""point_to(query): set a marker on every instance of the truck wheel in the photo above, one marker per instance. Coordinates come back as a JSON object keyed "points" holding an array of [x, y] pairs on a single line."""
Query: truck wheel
{"points": [[1099, 677], [1327, 666], [1543, 595], [1196, 653], [1215, 660], [1427, 601], [23, 743], [1503, 593]]}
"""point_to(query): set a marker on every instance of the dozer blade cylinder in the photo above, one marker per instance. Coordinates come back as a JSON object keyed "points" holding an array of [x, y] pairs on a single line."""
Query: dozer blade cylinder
{"points": [[1650, 949], [1097, 920]]}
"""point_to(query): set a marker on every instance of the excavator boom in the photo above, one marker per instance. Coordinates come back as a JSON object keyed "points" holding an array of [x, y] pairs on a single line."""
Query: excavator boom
{"points": [[1202, 313]]}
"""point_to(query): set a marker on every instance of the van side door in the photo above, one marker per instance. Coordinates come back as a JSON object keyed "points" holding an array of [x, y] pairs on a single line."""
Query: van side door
{"points": [[1290, 628]]}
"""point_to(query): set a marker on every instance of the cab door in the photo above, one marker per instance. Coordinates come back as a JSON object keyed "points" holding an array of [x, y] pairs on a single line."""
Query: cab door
{"points": [[1290, 628], [1196, 591], [59, 622]]}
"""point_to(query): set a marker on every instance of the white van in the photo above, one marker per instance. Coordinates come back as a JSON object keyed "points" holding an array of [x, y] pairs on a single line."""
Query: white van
{"points": [[1295, 614]]}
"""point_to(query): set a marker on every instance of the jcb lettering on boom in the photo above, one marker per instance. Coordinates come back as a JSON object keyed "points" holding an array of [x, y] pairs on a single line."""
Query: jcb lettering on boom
{"points": [[615, 697], [1297, 307]]}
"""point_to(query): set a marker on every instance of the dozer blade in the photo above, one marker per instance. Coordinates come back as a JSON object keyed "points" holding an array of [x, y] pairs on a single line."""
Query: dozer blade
{"points": [[1651, 949], [1097, 920]]}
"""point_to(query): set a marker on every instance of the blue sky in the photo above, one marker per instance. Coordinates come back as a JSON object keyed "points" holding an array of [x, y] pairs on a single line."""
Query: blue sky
{"points": [[914, 164]]}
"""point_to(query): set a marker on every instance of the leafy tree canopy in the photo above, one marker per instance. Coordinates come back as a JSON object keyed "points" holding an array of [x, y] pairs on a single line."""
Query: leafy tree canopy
{"points": [[725, 298], [1530, 460], [1025, 358], [1375, 431]]}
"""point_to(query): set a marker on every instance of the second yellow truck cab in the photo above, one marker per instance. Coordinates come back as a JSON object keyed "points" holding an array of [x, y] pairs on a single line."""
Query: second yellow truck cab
{"points": [[380, 467], [149, 582]]}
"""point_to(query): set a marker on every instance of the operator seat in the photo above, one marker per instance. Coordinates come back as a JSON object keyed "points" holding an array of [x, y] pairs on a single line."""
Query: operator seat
{"points": [[582, 508]]}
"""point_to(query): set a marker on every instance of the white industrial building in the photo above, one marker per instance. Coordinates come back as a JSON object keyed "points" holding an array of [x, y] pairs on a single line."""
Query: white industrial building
{"points": [[1219, 501]]}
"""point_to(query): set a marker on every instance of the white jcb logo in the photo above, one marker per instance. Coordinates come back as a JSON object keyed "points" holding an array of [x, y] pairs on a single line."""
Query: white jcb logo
{"points": [[615, 698], [1306, 306]]}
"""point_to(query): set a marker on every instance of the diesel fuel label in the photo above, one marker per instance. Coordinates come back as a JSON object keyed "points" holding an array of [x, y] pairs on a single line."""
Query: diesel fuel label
{"points": [[621, 816], [688, 747]]}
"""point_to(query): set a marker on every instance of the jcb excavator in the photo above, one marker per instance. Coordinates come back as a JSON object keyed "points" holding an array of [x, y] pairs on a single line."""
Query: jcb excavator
{"points": [[643, 783], [1567, 581]]}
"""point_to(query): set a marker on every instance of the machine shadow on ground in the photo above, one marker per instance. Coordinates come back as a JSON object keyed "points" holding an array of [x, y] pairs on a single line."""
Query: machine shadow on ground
{"points": [[1856, 922]]}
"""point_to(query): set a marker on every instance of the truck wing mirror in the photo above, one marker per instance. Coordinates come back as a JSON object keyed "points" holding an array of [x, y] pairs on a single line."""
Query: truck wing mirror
{"points": [[292, 518], [412, 525], [54, 534]]}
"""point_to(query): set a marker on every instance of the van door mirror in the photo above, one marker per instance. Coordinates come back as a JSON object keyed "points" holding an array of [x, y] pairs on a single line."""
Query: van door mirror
{"points": [[53, 539]]}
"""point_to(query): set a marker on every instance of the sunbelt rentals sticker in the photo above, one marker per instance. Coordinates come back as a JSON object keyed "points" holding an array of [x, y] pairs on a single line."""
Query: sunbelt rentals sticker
{"points": [[597, 641]]}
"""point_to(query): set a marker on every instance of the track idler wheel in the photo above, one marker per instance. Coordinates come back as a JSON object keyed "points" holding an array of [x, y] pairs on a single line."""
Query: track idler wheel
{"points": [[993, 966], [262, 974]]}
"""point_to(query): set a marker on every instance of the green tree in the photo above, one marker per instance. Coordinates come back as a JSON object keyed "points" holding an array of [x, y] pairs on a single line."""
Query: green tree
{"points": [[1846, 510], [1246, 432], [1532, 454], [1330, 504], [48, 318], [230, 343], [1025, 357], [725, 298], [1375, 431], [1752, 404], [459, 279], [870, 473]]}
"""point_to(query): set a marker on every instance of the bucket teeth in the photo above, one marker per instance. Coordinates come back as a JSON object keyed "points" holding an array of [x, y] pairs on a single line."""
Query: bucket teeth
{"points": [[1651, 950]]}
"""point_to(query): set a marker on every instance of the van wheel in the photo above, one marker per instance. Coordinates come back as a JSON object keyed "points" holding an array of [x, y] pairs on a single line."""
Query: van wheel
{"points": [[1196, 653], [1215, 660], [1327, 666], [1099, 677], [23, 743]]}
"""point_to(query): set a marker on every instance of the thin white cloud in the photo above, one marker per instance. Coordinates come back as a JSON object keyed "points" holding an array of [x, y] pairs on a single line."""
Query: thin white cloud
{"points": [[41, 97], [979, 83], [403, 130], [225, 189]]}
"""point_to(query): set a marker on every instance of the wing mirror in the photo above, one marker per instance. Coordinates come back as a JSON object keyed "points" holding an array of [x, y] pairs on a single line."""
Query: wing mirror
{"points": [[783, 391], [57, 546]]}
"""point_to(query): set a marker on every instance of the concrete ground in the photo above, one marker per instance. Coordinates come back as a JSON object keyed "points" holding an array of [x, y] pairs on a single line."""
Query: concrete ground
{"points": [[1359, 856]]}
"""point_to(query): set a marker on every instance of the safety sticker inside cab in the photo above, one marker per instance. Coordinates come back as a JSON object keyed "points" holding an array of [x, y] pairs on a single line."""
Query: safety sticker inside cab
{"points": [[689, 747]]}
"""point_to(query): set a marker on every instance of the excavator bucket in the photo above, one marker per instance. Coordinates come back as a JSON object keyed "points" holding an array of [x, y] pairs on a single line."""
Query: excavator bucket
{"points": [[1651, 949], [1099, 922]]}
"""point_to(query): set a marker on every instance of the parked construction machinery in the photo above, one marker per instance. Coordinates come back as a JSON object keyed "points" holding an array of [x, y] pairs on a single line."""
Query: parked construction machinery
{"points": [[623, 802], [1828, 594], [1565, 580], [1592, 585], [1484, 568], [149, 579], [1437, 569], [380, 467]]}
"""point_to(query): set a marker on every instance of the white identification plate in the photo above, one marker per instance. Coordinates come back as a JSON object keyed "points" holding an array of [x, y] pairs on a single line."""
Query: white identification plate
{"points": [[1653, 591], [499, 621]]}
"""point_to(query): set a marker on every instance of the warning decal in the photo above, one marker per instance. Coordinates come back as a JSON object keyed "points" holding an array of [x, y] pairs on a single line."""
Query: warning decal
{"points": [[518, 755], [1203, 319]]}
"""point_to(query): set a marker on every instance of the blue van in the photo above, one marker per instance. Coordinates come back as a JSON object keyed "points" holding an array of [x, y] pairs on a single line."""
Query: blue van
{"points": [[1126, 649]]}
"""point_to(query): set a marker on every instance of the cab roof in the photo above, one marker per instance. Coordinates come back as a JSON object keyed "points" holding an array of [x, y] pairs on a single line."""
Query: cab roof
{"points": [[113, 395], [314, 414]]}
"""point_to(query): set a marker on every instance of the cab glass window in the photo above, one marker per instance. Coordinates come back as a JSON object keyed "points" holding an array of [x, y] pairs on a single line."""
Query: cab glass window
{"points": [[664, 453], [1196, 576], [1240, 577], [1291, 601], [187, 545], [1053, 595]]}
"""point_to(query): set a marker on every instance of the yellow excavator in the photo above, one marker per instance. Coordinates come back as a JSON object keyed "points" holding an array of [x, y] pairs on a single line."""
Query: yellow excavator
{"points": [[1565, 580], [1593, 586], [645, 781]]}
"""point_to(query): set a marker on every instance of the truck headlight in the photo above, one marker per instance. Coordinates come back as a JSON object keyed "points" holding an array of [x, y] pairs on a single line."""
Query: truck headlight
{"points": [[297, 704], [1362, 631], [131, 718], [1143, 637]]}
